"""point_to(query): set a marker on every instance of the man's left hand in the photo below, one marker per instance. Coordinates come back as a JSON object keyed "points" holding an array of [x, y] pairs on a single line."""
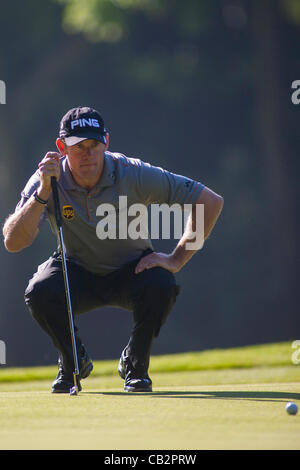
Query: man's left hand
{"points": [[158, 260]]}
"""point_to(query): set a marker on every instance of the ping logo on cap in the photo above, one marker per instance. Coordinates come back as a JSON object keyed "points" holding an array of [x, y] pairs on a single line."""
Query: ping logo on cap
{"points": [[85, 122], [68, 212]]}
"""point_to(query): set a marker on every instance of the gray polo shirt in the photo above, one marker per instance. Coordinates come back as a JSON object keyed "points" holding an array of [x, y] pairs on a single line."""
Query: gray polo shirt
{"points": [[140, 182]]}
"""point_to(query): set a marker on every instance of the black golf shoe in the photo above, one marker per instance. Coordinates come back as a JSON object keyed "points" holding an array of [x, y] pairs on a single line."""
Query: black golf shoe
{"points": [[64, 380], [136, 379]]}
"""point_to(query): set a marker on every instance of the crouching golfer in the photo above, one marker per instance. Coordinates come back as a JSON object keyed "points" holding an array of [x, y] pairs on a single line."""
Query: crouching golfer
{"points": [[118, 270]]}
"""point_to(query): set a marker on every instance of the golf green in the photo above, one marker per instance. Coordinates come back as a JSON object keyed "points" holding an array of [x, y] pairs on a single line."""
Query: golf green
{"points": [[209, 409]]}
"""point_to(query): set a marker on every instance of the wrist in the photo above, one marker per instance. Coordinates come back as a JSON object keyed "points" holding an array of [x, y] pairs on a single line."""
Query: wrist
{"points": [[176, 262], [40, 197], [181, 256], [43, 193]]}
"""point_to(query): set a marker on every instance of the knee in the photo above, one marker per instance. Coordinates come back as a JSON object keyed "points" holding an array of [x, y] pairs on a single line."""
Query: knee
{"points": [[163, 295], [162, 301], [38, 296], [156, 296], [34, 297], [157, 285], [161, 285]]}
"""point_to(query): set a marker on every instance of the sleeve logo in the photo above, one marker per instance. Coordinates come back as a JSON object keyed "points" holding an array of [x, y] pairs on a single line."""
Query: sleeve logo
{"points": [[68, 212]]}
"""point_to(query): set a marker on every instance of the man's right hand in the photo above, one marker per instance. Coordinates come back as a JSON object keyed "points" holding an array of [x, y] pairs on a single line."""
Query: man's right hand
{"points": [[48, 167], [21, 227]]}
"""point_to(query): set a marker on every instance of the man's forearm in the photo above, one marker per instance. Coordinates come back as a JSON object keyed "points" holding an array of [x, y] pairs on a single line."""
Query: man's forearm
{"points": [[21, 228], [198, 228], [183, 251]]}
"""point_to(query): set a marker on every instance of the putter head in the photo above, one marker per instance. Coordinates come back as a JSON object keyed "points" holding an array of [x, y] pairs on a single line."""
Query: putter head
{"points": [[74, 390]]}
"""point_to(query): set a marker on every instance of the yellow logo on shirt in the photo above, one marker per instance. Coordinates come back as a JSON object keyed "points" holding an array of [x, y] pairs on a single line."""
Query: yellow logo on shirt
{"points": [[68, 212]]}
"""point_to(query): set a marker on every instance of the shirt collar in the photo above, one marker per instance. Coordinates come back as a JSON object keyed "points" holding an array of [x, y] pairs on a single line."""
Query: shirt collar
{"points": [[108, 176]]}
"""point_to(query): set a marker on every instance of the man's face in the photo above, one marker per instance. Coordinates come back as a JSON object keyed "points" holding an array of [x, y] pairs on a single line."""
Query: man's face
{"points": [[85, 160]]}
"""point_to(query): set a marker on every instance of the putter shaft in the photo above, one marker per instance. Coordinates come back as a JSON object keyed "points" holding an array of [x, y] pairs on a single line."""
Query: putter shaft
{"points": [[66, 279], [69, 305]]}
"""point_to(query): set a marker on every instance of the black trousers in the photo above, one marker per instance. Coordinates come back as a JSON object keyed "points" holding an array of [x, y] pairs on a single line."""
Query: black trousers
{"points": [[150, 295]]}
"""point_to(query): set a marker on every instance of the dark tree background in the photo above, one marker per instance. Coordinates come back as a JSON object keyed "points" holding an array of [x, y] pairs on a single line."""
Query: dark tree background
{"points": [[201, 88]]}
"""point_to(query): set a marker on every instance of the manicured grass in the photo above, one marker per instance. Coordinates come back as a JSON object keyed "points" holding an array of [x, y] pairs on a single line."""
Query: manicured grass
{"points": [[244, 357], [231, 399]]}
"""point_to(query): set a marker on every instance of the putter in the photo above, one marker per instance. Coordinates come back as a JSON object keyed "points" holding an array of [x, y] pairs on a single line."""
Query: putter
{"points": [[74, 389]]}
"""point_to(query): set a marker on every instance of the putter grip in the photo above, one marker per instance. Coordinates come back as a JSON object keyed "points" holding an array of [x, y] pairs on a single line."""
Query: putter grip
{"points": [[56, 201]]}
